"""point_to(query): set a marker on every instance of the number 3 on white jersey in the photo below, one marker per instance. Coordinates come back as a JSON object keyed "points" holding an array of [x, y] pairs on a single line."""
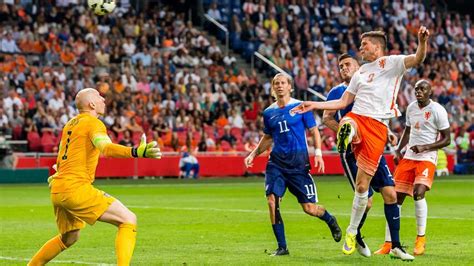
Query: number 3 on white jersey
{"points": [[283, 127]]}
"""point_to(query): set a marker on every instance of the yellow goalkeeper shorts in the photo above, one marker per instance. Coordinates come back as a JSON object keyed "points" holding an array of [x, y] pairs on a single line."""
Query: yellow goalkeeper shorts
{"points": [[74, 209]]}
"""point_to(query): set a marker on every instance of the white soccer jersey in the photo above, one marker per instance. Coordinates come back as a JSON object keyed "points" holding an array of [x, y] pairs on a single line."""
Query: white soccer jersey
{"points": [[425, 125], [375, 86]]}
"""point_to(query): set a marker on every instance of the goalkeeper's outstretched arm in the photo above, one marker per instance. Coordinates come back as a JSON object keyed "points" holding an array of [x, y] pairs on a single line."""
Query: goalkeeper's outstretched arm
{"points": [[110, 149]]}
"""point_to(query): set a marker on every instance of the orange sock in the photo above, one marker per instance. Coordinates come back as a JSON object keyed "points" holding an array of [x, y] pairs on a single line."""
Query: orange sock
{"points": [[48, 251], [125, 243]]}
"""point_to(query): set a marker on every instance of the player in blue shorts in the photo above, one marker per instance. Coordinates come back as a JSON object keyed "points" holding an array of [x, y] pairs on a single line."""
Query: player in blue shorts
{"points": [[288, 165], [347, 67]]}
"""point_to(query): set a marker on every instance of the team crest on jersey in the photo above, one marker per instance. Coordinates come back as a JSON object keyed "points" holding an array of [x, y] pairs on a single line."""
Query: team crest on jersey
{"points": [[73, 122], [292, 113], [382, 63], [427, 115]]}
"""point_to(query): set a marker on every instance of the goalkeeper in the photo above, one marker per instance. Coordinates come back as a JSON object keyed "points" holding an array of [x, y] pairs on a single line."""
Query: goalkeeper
{"points": [[75, 201]]}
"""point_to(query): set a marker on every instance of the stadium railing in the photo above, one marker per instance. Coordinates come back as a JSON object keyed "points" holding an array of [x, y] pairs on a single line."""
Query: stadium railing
{"points": [[280, 70], [223, 29]]}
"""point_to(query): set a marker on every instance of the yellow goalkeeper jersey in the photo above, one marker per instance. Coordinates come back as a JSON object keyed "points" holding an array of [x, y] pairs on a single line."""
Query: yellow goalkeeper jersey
{"points": [[77, 156]]}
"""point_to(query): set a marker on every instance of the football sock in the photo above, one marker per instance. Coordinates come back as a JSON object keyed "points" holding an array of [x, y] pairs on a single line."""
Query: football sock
{"points": [[421, 212], [125, 243], [279, 231], [48, 251], [278, 227], [387, 233], [359, 236], [392, 215], [327, 217], [358, 209]]}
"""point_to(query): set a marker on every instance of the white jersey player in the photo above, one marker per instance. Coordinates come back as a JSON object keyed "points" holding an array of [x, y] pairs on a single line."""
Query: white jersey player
{"points": [[374, 91], [427, 130]]}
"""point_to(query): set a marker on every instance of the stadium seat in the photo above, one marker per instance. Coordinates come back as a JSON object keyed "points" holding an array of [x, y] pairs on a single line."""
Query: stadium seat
{"points": [[58, 138], [119, 136], [167, 149], [110, 133], [209, 131], [211, 149], [220, 132], [182, 138], [48, 141], [136, 137], [236, 132], [17, 132], [34, 141], [197, 136], [240, 146], [225, 145]]}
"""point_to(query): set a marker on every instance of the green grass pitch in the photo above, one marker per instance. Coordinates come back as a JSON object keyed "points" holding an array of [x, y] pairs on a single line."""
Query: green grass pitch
{"points": [[225, 222]]}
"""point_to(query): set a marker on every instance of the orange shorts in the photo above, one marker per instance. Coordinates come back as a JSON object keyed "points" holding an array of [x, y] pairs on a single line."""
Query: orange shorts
{"points": [[74, 209], [369, 141], [411, 172]]}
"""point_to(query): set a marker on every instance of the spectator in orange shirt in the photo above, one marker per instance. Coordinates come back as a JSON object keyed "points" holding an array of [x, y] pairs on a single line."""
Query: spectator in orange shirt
{"points": [[67, 57], [455, 89], [222, 120], [118, 85]]}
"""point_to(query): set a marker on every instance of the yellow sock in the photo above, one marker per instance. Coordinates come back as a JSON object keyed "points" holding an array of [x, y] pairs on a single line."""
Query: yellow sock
{"points": [[48, 251], [125, 243]]}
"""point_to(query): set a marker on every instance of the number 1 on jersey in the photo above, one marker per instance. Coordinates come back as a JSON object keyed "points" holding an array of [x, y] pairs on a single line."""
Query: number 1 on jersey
{"points": [[309, 190], [283, 126], [67, 145]]}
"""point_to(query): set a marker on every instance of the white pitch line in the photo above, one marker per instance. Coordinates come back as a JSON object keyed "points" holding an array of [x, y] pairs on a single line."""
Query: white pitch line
{"points": [[58, 261], [289, 212], [250, 183]]}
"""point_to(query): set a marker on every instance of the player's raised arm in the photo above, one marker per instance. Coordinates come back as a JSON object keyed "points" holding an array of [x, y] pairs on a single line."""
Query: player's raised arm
{"points": [[109, 149], [346, 99], [329, 120], [264, 144], [417, 58]]}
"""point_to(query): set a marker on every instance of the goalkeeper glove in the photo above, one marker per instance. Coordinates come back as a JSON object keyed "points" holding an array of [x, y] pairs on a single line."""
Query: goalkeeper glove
{"points": [[146, 150]]}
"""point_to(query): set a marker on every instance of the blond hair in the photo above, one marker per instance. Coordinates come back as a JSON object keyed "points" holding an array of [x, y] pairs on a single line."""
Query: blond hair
{"points": [[288, 78]]}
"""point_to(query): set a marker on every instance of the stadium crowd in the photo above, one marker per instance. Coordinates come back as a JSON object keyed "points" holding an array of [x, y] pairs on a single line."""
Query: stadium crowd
{"points": [[163, 76]]}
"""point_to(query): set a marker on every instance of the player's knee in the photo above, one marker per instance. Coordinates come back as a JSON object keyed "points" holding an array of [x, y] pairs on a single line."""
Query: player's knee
{"points": [[389, 196], [308, 208], [70, 238], [361, 187], [130, 218], [419, 194]]}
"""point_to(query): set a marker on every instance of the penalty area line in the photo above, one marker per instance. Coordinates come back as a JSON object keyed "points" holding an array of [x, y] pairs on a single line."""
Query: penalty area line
{"points": [[57, 261]]}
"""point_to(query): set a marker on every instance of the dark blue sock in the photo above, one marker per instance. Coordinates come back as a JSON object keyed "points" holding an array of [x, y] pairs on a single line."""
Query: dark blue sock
{"points": [[327, 217], [392, 215], [361, 224], [279, 231]]}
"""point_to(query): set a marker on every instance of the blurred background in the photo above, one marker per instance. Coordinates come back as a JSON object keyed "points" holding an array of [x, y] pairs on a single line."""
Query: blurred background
{"points": [[194, 75]]}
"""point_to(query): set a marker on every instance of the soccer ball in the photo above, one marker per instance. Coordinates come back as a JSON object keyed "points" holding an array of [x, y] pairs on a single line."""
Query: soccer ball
{"points": [[101, 7]]}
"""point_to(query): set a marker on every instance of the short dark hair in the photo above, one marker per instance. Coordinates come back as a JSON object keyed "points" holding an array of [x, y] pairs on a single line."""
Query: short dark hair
{"points": [[378, 36], [345, 56]]}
